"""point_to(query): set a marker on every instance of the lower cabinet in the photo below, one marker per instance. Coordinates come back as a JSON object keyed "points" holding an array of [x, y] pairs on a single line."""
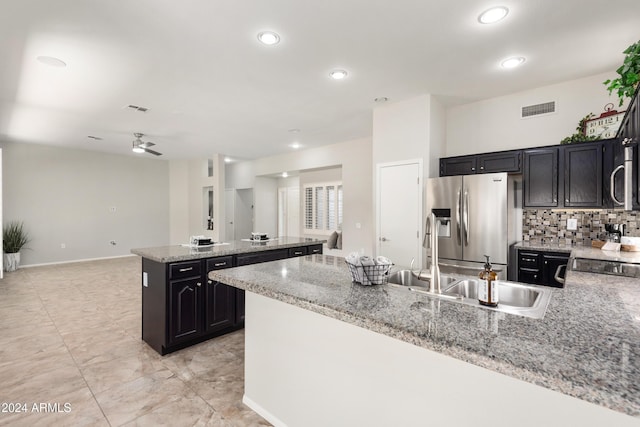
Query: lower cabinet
{"points": [[540, 268], [185, 313], [181, 306]]}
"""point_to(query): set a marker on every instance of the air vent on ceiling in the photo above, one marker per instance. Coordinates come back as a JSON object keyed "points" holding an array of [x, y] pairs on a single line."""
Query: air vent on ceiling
{"points": [[538, 109], [137, 108], [96, 138]]}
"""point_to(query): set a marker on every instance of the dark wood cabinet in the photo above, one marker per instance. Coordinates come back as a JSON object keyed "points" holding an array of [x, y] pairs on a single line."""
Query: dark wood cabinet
{"points": [[502, 161], [539, 268], [181, 306], [583, 181], [540, 181], [505, 161], [220, 306], [185, 312], [462, 165]]}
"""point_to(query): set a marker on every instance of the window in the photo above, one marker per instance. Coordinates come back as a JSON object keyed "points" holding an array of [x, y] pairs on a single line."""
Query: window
{"points": [[323, 207]]}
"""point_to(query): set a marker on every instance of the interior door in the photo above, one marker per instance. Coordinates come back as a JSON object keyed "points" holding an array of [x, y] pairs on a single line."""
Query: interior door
{"points": [[400, 212]]}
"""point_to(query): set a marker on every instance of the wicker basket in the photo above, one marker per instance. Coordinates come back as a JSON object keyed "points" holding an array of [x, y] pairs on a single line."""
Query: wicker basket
{"points": [[369, 274]]}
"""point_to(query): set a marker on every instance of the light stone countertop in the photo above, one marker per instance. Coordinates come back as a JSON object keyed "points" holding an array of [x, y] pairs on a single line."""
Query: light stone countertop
{"points": [[587, 252], [586, 346], [177, 253]]}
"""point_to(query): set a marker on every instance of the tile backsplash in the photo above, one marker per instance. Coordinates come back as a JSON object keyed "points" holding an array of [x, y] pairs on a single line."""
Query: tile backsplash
{"points": [[550, 225]]}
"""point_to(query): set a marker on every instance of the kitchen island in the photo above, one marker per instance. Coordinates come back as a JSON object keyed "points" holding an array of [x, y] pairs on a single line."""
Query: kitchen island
{"points": [[181, 307], [323, 351]]}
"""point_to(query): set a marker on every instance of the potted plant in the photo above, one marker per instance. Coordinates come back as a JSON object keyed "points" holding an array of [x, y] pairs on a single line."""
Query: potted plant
{"points": [[629, 71], [14, 238]]}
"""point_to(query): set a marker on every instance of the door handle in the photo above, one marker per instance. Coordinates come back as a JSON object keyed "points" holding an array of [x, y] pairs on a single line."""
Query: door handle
{"points": [[384, 239], [465, 218], [612, 187], [557, 275], [458, 215]]}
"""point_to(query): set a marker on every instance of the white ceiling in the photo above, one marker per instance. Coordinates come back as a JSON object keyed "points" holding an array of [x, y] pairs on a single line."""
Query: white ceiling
{"points": [[212, 88]]}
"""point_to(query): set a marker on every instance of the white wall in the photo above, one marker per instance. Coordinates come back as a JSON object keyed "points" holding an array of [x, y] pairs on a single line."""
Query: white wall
{"points": [[64, 195], [265, 199], [355, 159], [495, 124], [187, 204]]}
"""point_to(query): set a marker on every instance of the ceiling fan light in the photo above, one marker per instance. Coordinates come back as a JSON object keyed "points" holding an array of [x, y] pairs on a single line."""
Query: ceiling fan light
{"points": [[137, 149]]}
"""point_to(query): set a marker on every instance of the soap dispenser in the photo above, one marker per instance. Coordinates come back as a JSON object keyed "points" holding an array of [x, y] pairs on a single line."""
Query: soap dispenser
{"points": [[488, 288]]}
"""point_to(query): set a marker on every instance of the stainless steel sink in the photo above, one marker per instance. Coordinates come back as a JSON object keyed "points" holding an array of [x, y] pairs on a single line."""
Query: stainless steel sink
{"points": [[409, 278], [515, 298], [510, 294]]}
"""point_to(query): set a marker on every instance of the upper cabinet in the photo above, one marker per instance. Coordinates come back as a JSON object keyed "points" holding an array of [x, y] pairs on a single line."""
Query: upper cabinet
{"points": [[583, 177], [504, 161], [540, 181]]}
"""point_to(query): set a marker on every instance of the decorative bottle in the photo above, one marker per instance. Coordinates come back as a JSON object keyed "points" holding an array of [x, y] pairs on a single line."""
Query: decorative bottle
{"points": [[488, 288]]}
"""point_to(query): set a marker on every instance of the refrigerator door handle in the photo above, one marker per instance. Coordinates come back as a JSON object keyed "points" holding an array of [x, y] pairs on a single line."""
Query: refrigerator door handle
{"points": [[458, 215], [465, 218], [612, 186]]}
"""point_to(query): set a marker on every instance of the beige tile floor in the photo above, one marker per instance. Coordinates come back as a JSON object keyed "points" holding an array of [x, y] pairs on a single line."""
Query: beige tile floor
{"points": [[70, 337]]}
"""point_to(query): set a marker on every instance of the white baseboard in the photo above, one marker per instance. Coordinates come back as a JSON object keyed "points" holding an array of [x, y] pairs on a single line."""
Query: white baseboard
{"points": [[76, 260], [262, 412]]}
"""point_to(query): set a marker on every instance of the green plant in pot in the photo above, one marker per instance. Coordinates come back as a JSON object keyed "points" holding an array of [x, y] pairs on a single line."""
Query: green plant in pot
{"points": [[14, 238], [629, 72]]}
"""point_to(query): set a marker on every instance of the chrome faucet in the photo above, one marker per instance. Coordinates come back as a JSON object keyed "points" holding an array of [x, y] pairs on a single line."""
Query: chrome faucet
{"points": [[432, 243]]}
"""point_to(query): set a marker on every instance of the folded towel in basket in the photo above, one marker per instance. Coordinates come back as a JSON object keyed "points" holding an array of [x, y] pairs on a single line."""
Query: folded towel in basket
{"points": [[365, 260], [381, 260]]}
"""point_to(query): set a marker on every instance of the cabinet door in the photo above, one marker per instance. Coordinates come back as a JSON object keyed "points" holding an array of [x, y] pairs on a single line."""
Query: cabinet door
{"points": [[463, 165], [550, 266], [583, 176], [185, 312], [239, 307], [540, 183], [507, 161], [220, 306]]}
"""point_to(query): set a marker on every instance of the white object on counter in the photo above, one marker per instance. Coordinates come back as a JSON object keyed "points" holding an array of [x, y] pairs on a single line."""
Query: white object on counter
{"points": [[611, 246]]}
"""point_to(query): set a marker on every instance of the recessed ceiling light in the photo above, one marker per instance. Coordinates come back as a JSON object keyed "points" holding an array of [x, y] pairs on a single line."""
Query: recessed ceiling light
{"points": [[512, 62], [294, 130], [295, 145], [269, 38], [51, 61], [227, 160], [381, 99], [493, 15], [284, 174], [338, 74]]}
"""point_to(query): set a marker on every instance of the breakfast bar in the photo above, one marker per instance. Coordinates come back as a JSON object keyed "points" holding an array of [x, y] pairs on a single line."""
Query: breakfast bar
{"points": [[321, 349]]}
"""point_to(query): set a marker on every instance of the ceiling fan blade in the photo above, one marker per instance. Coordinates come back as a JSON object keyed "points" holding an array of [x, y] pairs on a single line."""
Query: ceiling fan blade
{"points": [[155, 153], [147, 144]]}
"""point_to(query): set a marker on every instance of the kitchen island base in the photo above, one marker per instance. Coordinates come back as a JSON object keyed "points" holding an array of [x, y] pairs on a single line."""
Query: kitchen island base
{"points": [[303, 368]]}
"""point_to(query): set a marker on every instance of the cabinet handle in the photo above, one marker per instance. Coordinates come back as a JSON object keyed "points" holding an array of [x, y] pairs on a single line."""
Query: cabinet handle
{"points": [[182, 270], [528, 259], [535, 276], [566, 200], [316, 251], [545, 263], [473, 169], [209, 281], [481, 168], [199, 284], [297, 253], [220, 264]]}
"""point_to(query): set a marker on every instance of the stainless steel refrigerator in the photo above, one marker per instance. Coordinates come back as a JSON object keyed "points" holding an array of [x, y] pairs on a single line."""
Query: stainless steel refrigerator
{"points": [[485, 219]]}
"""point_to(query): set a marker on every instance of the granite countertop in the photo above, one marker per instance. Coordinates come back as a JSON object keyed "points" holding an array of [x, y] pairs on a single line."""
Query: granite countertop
{"points": [[586, 346], [176, 253], [587, 252]]}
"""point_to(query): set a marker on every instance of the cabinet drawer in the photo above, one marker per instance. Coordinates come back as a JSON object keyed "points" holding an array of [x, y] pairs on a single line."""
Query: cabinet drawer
{"points": [[219, 263], [315, 249], [529, 275], [529, 260], [298, 251], [181, 270]]}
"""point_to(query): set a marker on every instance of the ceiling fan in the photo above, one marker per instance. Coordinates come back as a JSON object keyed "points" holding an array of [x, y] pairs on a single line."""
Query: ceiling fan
{"points": [[139, 146]]}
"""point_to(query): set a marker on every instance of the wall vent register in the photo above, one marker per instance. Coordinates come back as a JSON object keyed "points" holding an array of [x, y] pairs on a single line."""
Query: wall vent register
{"points": [[538, 109]]}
